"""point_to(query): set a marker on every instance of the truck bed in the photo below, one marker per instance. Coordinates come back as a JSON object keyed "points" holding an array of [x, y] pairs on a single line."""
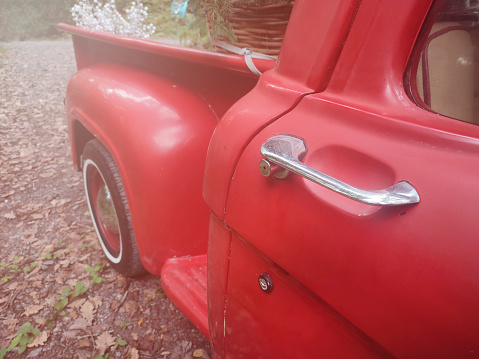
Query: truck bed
{"points": [[220, 79]]}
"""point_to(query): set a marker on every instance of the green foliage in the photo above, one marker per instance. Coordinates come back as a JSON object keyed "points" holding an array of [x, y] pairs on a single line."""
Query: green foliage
{"points": [[95, 273], [28, 19], [24, 336], [29, 267], [36, 19], [159, 14], [167, 25], [213, 15], [79, 289], [10, 268], [120, 343], [6, 278], [14, 268], [84, 247], [60, 306]]}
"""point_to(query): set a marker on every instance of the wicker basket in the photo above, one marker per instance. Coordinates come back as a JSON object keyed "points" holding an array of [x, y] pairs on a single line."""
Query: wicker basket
{"points": [[260, 28]]}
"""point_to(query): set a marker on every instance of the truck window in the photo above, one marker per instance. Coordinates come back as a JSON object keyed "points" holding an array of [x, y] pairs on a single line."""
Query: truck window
{"points": [[444, 69]]}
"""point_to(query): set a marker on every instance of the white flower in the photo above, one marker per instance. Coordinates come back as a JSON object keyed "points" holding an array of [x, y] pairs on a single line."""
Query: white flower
{"points": [[107, 18]]}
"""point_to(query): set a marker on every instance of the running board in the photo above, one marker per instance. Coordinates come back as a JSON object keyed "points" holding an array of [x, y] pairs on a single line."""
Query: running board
{"points": [[184, 282]]}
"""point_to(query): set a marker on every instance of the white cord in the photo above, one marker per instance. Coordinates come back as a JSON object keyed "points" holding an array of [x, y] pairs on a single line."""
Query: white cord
{"points": [[247, 53]]}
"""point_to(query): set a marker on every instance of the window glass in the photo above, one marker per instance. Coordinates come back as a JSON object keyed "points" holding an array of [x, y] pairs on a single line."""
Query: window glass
{"points": [[445, 70]]}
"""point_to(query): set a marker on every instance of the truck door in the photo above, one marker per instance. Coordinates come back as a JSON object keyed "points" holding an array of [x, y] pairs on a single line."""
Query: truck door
{"points": [[367, 246]]}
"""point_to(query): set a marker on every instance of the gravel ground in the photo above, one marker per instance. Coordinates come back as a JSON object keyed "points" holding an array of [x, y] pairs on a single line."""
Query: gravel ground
{"points": [[47, 243]]}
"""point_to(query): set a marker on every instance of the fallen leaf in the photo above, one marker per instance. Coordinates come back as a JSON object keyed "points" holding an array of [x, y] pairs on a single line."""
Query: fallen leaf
{"points": [[167, 338], [27, 152], [149, 294], [32, 310], [13, 286], [10, 322], [47, 248], [34, 295], [97, 301], [70, 334], [165, 353], [36, 269], [200, 353], [134, 354], [60, 277], [9, 215], [30, 231], [40, 340], [99, 328], [80, 324], [87, 311], [74, 314], [71, 282], [46, 174], [77, 303], [115, 304], [84, 257], [65, 263], [10, 337], [83, 353], [6, 194], [130, 307], [37, 243], [107, 287], [104, 342], [40, 321], [51, 300], [84, 343], [28, 240]]}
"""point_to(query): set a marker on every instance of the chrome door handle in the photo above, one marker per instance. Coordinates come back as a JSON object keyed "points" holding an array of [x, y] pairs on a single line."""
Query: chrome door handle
{"points": [[287, 151]]}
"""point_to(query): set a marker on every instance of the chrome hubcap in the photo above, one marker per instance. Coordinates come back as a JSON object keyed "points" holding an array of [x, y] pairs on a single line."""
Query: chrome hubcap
{"points": [[106, 210]]}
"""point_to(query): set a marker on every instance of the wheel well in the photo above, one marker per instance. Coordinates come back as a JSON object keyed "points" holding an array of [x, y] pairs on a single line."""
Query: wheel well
{"points": [[81, 137]]}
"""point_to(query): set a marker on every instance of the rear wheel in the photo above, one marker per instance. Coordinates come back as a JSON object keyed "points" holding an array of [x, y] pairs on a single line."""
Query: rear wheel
{"points": [[109, 209]]}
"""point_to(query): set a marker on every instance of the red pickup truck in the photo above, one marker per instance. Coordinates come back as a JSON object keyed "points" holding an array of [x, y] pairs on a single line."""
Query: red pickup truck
{"points": [[328, 208]]}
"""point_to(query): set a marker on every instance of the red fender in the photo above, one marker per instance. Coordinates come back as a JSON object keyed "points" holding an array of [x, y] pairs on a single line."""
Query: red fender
{"points": [[158, 133]]}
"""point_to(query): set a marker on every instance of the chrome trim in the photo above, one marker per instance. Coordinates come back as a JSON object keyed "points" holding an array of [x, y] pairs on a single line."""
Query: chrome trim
{"points": [[287, 151], [106, 210]]}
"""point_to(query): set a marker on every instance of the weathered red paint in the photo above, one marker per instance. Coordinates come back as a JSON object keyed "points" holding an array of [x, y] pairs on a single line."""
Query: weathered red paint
{"points": [[350, 280]]}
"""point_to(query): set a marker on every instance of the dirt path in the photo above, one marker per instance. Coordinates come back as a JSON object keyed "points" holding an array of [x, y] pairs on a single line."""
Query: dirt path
{"points": [[52, 273]]}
